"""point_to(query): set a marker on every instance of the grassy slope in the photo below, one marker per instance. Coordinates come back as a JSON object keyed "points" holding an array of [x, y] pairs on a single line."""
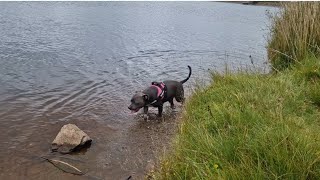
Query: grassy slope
{"points": [[251, 127]]}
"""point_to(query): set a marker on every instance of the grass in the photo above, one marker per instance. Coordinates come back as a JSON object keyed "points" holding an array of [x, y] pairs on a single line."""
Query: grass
{"points": [[294, 33], [250, 126]]}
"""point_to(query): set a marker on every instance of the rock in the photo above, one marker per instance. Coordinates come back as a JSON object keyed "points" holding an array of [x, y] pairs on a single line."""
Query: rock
{"points": [[70, 138], [149, 170], [150, 166]]}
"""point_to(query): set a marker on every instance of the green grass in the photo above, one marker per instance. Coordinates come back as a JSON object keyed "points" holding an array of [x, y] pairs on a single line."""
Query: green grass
{"points": [[250, 126]]}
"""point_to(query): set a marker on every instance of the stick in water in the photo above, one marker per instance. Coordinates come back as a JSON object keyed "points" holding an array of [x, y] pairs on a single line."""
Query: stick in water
{"points": [[54, 162]]}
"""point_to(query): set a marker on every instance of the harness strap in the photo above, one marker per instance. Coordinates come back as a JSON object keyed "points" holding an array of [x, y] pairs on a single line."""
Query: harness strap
{"points": [[161, 89]]}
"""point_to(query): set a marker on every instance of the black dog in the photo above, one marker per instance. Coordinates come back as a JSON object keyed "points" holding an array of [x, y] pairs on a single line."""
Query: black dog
{"points": [[157, 94]]}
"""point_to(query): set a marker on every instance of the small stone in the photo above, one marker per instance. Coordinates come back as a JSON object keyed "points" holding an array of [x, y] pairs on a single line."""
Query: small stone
{"points": [[150, 166]]}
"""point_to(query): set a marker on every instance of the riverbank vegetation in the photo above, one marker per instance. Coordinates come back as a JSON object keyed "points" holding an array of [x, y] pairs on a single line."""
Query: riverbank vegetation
{"points": [[257, 126], [294, 33]]}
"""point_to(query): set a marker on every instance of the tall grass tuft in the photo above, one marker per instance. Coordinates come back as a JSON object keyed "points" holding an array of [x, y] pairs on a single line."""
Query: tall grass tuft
{"points": [[295, 32]]}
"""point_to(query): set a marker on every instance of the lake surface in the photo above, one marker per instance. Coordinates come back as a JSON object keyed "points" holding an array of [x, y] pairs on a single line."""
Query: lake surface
{"points": [[80, 62]]}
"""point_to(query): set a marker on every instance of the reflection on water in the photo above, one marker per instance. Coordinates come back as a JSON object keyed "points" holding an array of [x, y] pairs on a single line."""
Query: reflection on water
{"points": [[80, 62]]}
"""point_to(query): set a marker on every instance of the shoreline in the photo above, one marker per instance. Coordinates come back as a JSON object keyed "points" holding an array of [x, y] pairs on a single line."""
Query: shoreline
{"points": [[257, 3]]}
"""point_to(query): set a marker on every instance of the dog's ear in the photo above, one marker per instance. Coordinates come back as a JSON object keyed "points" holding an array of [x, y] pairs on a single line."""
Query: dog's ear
{"points": [[145, 97]]}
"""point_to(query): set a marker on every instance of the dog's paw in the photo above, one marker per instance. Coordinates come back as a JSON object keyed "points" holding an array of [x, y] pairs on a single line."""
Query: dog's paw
{"points": [[160, 119], [146, 117]]}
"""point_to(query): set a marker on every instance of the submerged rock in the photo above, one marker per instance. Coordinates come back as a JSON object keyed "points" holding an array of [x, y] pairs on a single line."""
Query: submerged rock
{"points": [[70, 138]]}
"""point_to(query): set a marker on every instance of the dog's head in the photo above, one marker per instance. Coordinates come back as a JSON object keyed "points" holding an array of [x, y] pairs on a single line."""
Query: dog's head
{"points": [[138, 101]]}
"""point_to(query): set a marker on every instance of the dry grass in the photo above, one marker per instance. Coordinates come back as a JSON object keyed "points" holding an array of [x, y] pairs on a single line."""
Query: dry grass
{"points": [[294, 33]]}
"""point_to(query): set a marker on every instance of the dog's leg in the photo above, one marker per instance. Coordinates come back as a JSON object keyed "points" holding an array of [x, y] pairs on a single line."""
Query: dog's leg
{"points": [[145, 109], [160, 109], [180, 99], [145, 115], [171, 104], [180, 95]]}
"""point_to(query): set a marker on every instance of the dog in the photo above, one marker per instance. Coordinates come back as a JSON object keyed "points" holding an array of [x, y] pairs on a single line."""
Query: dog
{"points": [[157, 94]]}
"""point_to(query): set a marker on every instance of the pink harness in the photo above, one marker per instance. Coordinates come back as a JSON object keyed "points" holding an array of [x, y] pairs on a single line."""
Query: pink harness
{"points": [[160, 90]]}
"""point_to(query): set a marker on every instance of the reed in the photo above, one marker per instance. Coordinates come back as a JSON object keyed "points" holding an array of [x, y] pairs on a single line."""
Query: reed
{"points": [[294, 33]]}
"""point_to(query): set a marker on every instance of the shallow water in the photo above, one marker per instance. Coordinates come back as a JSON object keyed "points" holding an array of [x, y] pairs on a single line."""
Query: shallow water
{"points": [[80, 62]]}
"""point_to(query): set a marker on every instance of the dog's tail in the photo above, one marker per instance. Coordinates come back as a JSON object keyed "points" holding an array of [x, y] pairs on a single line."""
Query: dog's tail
{"points": [[185, 80]]}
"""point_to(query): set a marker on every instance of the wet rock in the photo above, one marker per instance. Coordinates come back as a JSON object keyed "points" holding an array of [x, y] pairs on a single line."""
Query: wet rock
{"points": [[70, 138]]}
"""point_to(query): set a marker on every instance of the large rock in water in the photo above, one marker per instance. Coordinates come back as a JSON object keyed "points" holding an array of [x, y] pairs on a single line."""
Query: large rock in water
{"points": [[69, 139]]}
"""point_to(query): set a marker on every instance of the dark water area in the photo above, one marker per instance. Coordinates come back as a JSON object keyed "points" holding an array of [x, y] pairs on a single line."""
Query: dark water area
{"points": [[80, 62]]}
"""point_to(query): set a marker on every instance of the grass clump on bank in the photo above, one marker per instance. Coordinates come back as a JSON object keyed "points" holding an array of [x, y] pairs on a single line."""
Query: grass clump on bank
{"points": [[294, 33], [251, 126]]}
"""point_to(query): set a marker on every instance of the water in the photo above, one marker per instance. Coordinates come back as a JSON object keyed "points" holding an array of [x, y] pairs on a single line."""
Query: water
{"points": [[80, 62]]}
